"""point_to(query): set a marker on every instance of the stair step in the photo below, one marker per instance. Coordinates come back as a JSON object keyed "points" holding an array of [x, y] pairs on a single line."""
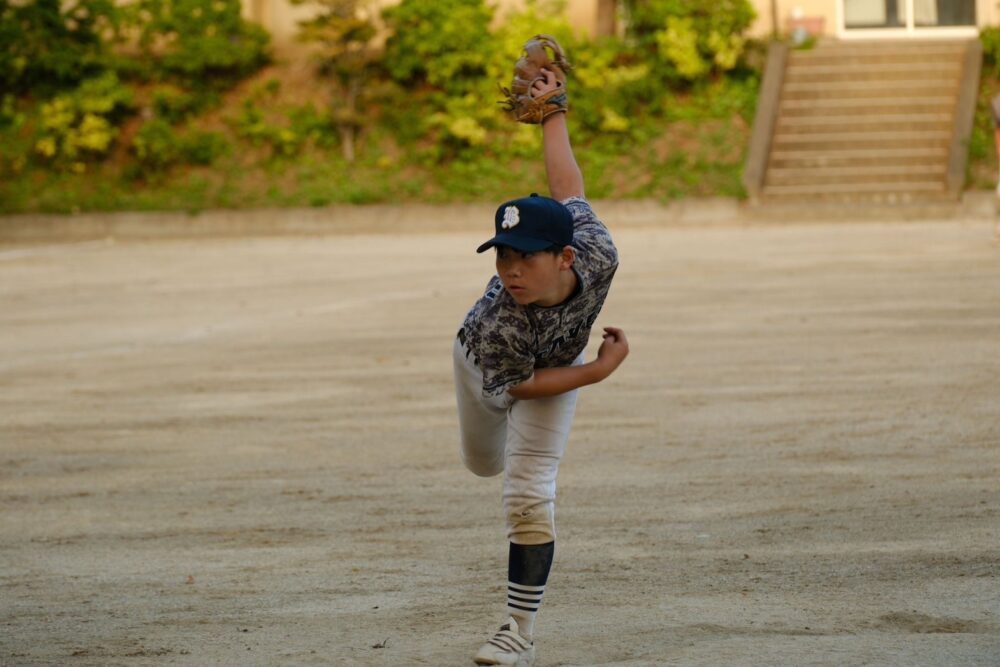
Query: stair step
{"points": [[865, 122], [857, 188], [882, 158], [893, 49], [865, 90], [817, 186], [822, 69], [908, 88], [889, 58], [872, 140], [886, 164], [860, 205], [935, 71], [900, 152], [900, 176], [885, 183], [871, 144], [909, 58], [851, 105]]}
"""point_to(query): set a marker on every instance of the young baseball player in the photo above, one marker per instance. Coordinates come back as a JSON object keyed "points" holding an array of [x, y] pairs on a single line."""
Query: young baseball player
{"points": [[518, 363]]}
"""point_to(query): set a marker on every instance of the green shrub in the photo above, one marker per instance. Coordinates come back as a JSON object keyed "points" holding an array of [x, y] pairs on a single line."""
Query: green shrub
{"points": [[284, 140], [80, 126], [445, 43], [200, 44], [250, 123], [447, 96], [173, 104], [156, 146], [204, 148], [48, 45], [11, 118], [608, 89], [316, 126], [344, 30], [990, 38], [689, 39], [15, 148]]}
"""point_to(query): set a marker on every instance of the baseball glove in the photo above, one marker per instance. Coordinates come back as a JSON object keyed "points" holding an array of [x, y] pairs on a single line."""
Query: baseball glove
{"points": [[540, 52]]}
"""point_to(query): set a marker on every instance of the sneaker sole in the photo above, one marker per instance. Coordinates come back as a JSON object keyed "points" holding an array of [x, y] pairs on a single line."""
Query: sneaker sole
{"points": [[524, 661]]}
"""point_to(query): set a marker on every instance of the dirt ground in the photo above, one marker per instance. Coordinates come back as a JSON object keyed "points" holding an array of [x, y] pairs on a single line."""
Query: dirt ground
{"points": [[244, 452]]}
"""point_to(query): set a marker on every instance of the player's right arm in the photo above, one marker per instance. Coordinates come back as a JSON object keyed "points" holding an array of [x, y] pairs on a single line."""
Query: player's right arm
{"points": [[554, 381]]}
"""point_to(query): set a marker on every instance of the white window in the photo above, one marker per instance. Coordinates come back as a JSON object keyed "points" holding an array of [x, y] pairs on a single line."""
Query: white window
{"points": [[896, 18]]}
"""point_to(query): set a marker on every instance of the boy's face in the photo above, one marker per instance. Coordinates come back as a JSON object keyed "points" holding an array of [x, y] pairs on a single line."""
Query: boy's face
{"points": [[536, 278]]}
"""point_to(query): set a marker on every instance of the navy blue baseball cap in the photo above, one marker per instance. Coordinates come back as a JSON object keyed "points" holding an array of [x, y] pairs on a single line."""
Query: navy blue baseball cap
{"points": [[531, 224]]}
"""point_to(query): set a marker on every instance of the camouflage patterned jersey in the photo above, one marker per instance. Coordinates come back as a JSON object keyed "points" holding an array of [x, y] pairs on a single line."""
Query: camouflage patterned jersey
{"points": [[509, 340]]}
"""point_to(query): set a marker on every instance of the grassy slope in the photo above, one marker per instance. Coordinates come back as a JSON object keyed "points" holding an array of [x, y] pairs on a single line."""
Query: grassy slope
{"points": [[699, 151]]}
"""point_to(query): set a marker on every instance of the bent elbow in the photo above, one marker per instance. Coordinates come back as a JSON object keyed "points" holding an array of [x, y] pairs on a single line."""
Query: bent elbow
{"points": [[525, 390]]}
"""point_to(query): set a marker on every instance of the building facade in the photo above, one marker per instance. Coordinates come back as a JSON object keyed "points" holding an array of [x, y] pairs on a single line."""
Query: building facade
{"points": [[876, 19]]}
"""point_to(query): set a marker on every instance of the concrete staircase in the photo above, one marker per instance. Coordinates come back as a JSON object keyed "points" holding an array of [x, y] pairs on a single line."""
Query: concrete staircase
{"points": [[865, 123]]}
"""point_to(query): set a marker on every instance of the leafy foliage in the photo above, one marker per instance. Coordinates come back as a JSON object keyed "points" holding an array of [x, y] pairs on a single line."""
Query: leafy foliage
{"points": [[199, 42], [10, 116], [990, 38], [418, 117], [443, 43], [48, 45], [204, 148], [301, 126], [156, 146], [447, 62], [176, 105], [690, 39], [344, 30], [81, 125]]}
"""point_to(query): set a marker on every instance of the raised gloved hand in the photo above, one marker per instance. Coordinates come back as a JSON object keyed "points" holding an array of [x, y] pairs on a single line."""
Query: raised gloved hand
{"points": [[541, 52]]}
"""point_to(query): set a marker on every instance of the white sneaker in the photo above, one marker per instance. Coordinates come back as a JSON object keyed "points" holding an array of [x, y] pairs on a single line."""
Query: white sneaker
{"points": [[507, 647]]}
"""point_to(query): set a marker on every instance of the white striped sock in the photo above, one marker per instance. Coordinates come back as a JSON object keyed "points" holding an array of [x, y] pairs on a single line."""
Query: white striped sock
{"points": [[522, 603]]}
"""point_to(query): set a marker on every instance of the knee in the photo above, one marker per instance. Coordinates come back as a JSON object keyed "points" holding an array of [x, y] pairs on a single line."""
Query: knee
{"points": [[483, 467], [532, 523]]}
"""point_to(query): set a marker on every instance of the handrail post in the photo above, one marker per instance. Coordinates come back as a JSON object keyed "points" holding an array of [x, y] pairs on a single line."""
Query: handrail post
{"points": [[764, 119]]}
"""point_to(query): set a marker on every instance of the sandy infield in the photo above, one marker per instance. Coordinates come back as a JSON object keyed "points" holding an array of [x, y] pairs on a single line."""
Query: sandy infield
{"points": [[244, 452]]}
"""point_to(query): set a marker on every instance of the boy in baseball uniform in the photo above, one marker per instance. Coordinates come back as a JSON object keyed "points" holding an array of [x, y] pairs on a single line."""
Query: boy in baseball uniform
{"points": [[518, 360]]}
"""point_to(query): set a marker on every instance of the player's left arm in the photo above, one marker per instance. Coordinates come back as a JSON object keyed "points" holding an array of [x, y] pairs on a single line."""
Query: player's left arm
{"points": [[554, 381]]}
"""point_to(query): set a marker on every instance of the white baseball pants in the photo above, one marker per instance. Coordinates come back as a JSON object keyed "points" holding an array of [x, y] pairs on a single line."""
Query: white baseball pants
{"points": [[523, 439]]}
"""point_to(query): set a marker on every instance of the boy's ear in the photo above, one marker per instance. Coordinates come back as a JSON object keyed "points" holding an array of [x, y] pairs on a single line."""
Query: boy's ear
{"points": [[567, 257]]}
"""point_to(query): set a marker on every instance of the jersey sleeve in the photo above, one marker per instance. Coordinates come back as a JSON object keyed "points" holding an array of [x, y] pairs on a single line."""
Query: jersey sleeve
{"points": [[591, 237]]}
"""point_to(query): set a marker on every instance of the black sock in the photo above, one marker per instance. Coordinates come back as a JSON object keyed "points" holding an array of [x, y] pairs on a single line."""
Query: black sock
{"points": [[527, 571]]}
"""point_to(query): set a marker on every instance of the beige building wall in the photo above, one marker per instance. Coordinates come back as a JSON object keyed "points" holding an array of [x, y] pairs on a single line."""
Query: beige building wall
{"points": [[769, 11], [987, 14]]}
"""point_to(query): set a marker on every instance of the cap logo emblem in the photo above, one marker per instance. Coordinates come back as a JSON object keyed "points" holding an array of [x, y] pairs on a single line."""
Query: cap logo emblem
{"points": [[511, 217]]}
